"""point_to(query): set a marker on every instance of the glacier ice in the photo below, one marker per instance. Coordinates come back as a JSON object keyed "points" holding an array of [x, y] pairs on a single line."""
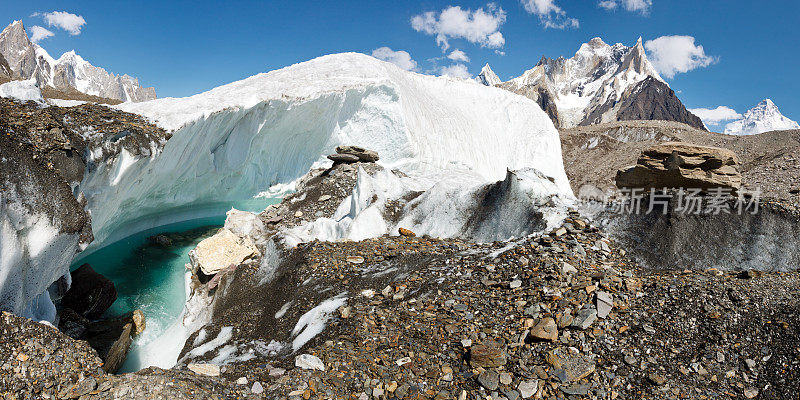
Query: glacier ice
{"points": [[449, 138], [238, 140], [26, 90]]}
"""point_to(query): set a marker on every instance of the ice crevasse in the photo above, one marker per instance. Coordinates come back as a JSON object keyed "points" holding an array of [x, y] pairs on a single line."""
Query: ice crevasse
{"points": [[237, 140]]}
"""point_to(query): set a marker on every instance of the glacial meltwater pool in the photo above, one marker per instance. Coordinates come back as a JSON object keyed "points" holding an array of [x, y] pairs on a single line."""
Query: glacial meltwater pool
{"points": [[150, 277]]}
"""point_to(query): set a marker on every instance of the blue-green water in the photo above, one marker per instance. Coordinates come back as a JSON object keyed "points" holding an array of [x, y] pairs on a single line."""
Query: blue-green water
{"points": [[150, 277]]}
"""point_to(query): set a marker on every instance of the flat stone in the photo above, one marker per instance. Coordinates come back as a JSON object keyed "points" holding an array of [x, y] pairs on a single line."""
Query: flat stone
{"points": [[585, 318], [528, 388], [343, 158], [605, 302], [355, 259], [546, 330], [571, 367], [505, 378], [307, 361], [324, 197], [515, 284], [204, 369], [360, 152], [489, 354], [489, 379], [579, 390], [257, 388]]}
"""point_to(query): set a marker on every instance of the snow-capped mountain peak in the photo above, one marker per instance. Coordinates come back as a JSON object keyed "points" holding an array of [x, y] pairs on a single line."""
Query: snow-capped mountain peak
{"points": [[488, 77], [67, 73], [590, 87], [764, 117]]}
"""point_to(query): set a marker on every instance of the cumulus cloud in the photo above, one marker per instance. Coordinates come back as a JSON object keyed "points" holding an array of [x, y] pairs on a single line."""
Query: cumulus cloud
{"points": [[458, 55], [38, 33], [481, 26], [400, 58], [455, 70], [672, 55], [550, 15], [641, 6], [715, 116], [61, 19]]}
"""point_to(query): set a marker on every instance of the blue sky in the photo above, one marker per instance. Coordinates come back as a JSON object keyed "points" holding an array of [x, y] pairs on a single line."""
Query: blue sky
{"points": [[186, 47]]}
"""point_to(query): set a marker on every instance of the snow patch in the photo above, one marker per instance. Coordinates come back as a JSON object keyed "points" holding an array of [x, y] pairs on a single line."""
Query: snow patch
{"points": [[313, 322]]}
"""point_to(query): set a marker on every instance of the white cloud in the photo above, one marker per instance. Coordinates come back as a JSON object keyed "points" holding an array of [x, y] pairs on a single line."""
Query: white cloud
{"points": [[61, 19], [640, 6], [458, 55], [38, 33], [608, 4], [672, 55], [715, 116], [455, 70], [480, 26], [550, 15], [400, 58]]}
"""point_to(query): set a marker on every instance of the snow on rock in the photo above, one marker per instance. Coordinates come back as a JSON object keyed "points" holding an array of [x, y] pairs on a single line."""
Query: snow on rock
{"points": [[69, 72], [457, 205], [313, 322], [593, 81], [26, 90], [238, 140], [488, 77], [764, 117]]}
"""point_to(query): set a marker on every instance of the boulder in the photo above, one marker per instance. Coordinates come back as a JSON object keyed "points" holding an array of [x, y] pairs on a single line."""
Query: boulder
{"points": [[221, 251], [111, 338], [343, 158], [682, 165], [91, 294], [363, 154]]}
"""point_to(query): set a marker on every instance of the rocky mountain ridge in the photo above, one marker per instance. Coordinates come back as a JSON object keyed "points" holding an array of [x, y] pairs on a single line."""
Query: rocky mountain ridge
{"points": [[70, 72], [601, 83]]}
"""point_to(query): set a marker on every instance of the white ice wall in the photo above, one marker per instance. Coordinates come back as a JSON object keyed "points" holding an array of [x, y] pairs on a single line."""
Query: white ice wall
{"points": [[239, 139]]}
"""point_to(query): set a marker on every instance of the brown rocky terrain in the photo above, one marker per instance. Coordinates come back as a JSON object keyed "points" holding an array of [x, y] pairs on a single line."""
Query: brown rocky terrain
{"points": [[593, 154]]}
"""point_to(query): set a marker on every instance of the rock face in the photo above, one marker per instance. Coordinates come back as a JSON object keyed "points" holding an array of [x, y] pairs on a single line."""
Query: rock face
{"points": [[601, 83], [5, 69], [221, 251], [650, 99], [682, 165], [69, 72], [91, 294]]}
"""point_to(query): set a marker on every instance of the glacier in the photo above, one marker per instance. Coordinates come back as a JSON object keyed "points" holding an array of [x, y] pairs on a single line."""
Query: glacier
{"points": [[240, 139], [233, 145], [26, 90]]}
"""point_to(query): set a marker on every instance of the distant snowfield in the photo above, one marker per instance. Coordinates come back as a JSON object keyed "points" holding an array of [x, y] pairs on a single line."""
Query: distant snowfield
{"points": [[240, 139]]}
